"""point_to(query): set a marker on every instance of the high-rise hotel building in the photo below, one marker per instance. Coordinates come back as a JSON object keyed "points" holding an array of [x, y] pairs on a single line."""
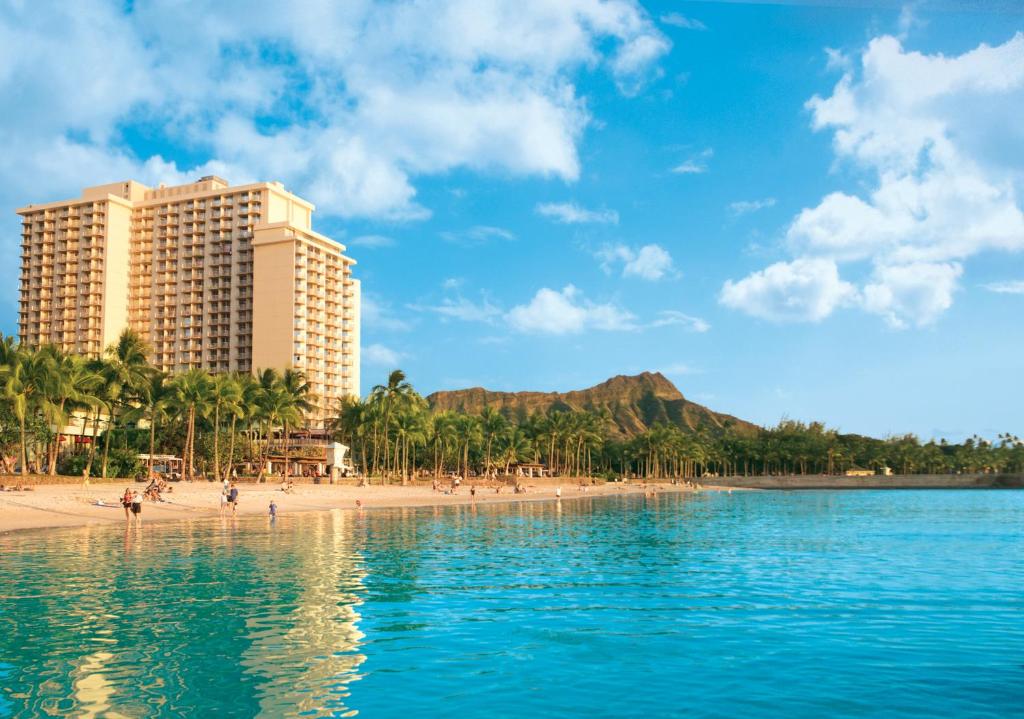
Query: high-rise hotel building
{"points": [[212, 276]]}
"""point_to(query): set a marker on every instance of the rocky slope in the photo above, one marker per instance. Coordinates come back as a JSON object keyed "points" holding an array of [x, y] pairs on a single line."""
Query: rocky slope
{"points": [[635, 403]]}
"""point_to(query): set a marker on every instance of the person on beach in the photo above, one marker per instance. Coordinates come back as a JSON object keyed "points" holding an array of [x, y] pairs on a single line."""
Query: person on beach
{"points": [[126, 502], [233, 498], [223, 502], [472, 490], [137, 507], [558, 492], [273, 510]]}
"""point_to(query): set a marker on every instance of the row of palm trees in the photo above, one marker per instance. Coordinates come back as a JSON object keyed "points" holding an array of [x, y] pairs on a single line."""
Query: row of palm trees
{"points": [[218, 421], [393, 433], [45, 387]]}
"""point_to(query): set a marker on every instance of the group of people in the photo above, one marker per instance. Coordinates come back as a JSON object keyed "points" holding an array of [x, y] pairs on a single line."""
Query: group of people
{"points": [[228, 498], [157, 486], [131, 500]]}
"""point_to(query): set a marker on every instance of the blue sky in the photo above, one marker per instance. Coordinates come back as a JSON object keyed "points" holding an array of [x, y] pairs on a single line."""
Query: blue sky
{"points": [[802, 209]]}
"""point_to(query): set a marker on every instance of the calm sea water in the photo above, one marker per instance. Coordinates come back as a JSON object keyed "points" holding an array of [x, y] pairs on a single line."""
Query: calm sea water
{"points": [[787, 604]]}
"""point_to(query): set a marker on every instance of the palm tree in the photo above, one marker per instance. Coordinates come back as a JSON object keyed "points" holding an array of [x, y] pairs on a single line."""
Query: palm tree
{"points": [[152, 400], [492, 425], [190, 396], [388, 394], [249, 413], [515, 447], [279, 407], [70, 384], [127, 370], [24, 380], [468, 428], [295, 386], [226, 398]]}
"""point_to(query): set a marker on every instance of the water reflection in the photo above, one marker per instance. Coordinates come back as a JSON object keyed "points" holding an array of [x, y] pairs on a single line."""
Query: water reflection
{"points": [[867, 603]]}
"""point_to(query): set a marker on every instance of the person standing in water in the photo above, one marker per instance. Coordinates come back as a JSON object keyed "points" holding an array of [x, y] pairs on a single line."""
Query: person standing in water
{"points": [[233, 498], [126, 502], [273, 510], [137, 507]]}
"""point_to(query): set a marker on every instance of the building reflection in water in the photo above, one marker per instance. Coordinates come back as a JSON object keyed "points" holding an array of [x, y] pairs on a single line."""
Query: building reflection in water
{"points": [[306, 653]]}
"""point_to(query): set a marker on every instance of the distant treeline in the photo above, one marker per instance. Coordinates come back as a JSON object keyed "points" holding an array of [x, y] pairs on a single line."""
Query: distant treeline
{"points": [[394, 432], [218, 423]]}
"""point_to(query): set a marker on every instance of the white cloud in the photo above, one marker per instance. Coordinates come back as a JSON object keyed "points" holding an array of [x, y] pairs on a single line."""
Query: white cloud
{"points": [[802, 290], [670, 318], [567, 312], [743, 207], [679, 20], [376, 314], [381, 356], [1010, 287], [372, 94], [695, 165], [912, 294], [942, 177], [372, 241], [650, 262], [477, 235], [460, 308], [571, 214]]}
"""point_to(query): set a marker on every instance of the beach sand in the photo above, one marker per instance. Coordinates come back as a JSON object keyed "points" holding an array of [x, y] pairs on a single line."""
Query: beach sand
{"points": [[69, 505]]}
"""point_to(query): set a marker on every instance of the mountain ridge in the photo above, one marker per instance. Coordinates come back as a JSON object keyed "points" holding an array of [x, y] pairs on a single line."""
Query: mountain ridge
{"points": [[635, 403]]}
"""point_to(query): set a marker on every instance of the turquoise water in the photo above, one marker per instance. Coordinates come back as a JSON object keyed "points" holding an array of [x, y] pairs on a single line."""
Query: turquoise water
{"points": [[802, 604]]}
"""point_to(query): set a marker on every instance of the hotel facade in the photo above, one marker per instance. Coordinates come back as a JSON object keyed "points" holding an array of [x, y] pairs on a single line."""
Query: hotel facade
{"points": [[222, 278]]}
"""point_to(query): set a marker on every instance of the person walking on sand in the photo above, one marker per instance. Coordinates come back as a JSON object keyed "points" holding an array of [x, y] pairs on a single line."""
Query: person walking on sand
{"points": [[137, 507], [223, 502], [233, 498], [126, 502]]}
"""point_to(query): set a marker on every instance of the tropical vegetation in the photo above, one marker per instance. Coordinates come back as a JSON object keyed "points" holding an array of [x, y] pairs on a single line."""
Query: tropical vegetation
{"points": [[223, 424]]}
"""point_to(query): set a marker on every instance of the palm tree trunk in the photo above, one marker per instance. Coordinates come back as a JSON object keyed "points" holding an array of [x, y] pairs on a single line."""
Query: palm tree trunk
{"points": [[106, 442], [284, 428], [24, 448], [216, 441], [152, 444], [231, 449]]}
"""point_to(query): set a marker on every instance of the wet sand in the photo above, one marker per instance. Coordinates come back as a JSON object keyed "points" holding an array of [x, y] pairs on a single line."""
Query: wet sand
{"points": [[70, 505]]}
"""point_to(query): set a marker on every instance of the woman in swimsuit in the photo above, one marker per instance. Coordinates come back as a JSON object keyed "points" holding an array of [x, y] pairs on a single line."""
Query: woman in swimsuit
{"points": [[126, 502]]}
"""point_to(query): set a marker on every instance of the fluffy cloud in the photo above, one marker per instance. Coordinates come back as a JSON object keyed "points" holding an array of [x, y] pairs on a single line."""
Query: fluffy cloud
{"points": [[912, 294], [572, 214], [943, 180], [802, 290], [566, 312], [365, 96], [650, 262]]}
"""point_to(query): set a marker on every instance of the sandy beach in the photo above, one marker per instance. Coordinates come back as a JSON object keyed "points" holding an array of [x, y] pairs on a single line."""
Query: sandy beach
{"points": [[69, 505]]}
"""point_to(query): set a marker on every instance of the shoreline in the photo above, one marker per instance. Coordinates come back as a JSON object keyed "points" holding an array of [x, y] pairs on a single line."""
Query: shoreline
{"points": [[59, 506]]}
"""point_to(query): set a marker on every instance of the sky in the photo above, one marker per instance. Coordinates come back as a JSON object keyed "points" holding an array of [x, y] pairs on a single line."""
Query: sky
{"points": [[804, 210]]}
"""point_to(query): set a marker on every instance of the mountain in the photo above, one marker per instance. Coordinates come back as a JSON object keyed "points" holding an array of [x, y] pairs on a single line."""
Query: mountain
{"points": [[635, 403]]}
